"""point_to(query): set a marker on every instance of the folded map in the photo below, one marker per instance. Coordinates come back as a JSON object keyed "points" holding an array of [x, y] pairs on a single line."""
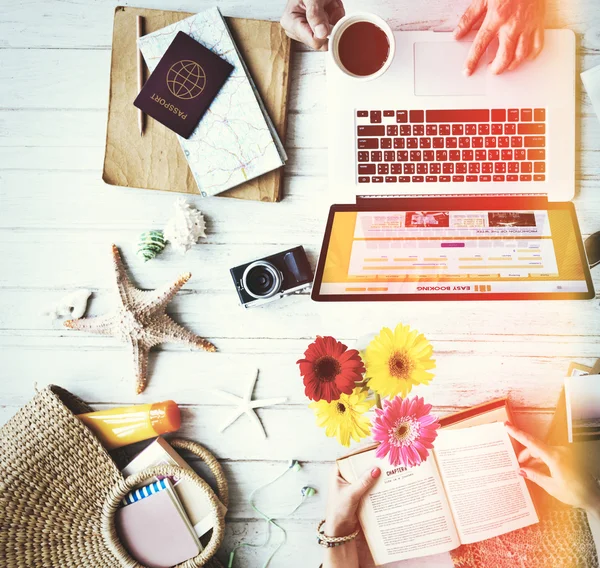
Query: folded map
{"points": [[235, 140]]}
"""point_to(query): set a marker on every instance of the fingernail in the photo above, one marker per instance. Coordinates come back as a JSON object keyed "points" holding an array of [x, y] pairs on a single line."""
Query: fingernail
{"points": [[466, 72], [522, 474], [456, 32], [321, 31], [375, 472]]}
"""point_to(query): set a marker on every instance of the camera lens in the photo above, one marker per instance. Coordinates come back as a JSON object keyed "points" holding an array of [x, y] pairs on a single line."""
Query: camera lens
{"points": [[261, 279]]}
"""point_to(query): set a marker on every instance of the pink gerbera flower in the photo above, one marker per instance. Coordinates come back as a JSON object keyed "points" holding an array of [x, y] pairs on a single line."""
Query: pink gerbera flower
{"points": [[405, 430]]}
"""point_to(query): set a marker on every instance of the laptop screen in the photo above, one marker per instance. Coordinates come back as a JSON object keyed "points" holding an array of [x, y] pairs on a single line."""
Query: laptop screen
{"points": [[487, 253]]}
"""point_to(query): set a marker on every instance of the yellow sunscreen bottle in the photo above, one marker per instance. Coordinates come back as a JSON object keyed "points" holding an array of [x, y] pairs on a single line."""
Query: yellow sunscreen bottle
{"points": [[126, 425]]}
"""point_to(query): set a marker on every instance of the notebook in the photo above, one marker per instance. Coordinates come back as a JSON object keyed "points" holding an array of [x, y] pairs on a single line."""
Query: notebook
{"points": [[582, 403], [558, 431], [155, 531], [235, 141], [145, 491], [194, 501]]}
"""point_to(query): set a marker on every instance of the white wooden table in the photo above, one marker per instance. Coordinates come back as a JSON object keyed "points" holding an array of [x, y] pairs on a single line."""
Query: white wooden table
{"points": [[58, 219]]}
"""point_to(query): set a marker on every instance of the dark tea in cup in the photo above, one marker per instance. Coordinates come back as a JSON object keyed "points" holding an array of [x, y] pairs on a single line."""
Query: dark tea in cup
{"points": [[363, 48]]}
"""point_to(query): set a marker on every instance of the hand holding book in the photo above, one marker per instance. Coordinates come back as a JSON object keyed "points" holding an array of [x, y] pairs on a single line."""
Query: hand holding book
{"points": [[342, 515], [469, 491], [557, 471], [344, 499]]}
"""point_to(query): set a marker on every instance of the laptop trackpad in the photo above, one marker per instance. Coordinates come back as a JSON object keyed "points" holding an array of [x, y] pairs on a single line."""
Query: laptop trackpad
{"points": [[439, 70]]}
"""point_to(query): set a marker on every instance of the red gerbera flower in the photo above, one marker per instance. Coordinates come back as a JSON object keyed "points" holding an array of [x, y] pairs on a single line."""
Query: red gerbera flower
{"points": [[330, 369]]}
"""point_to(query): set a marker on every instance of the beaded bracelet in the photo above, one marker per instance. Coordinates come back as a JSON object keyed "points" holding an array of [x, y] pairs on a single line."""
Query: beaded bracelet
{"points": [[331, 541]]}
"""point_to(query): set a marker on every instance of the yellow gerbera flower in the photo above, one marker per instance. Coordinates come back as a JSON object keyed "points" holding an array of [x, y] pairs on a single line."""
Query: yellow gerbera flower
{"points": [[397, 360], [344, 418]]}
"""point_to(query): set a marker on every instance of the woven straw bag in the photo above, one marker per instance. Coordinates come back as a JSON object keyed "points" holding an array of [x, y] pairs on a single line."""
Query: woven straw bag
{"points": [[60, 489]]}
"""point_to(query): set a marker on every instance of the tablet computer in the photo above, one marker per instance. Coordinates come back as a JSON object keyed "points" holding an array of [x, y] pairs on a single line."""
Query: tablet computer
{"points": [[452, 248]]}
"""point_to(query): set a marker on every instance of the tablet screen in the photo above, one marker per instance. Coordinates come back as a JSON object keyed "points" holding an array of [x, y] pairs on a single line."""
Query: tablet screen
{"points": [[488, 253]]}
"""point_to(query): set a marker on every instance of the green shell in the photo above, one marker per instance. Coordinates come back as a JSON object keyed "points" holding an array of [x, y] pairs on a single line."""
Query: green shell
{"points": [[150, 244]]}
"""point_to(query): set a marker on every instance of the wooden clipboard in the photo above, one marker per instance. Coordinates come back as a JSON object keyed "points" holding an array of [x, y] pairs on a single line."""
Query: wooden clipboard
{"points": [[155, 160]]}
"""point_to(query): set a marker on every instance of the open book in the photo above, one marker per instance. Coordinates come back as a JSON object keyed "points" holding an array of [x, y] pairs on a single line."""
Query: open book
{"points": [[468, 490]]}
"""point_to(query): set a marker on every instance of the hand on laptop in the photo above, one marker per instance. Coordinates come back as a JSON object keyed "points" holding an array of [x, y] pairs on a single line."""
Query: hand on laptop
{"points": [[556, 470], [518, 24], [311, 21]]}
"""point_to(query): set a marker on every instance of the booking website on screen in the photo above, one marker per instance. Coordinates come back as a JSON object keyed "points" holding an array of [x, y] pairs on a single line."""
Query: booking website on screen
{"points": [[452, 252]]}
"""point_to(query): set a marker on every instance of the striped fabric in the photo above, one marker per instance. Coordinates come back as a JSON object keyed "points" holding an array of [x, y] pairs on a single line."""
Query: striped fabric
{"points": [[146, 491]]}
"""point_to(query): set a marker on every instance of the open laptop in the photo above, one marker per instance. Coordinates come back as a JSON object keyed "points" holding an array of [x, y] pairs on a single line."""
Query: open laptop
{"points": [[461, 185], [424, 128]]}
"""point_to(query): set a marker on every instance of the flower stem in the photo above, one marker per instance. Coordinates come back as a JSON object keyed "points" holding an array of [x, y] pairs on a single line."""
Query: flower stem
{"points": [[378, 401]]}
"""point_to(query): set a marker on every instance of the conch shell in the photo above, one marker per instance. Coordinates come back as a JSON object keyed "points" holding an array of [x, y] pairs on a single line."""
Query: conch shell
{"points": [[150, 244], [185, 227]]}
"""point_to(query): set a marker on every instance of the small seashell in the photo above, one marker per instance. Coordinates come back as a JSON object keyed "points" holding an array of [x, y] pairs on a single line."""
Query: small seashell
{"points": [[185, 227], [72, 305], [150, 244]]}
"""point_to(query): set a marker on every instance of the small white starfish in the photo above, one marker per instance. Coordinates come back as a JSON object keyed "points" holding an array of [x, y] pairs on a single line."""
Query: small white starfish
{"points": [[245, 405]]}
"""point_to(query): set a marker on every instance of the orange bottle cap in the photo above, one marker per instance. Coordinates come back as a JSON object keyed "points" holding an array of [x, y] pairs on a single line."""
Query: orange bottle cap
{"points": [[165, 417]]}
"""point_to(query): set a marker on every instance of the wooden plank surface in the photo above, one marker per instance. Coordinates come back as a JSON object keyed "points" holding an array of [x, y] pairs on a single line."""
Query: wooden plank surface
{"points": [[57, 221]]}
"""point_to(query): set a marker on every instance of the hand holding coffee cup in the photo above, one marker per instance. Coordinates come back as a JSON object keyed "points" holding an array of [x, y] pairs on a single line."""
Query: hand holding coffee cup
{"points": [[311, 21]]}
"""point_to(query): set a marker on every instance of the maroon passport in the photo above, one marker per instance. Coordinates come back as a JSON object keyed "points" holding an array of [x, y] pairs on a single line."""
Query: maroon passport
{"points": [[183, 85]]}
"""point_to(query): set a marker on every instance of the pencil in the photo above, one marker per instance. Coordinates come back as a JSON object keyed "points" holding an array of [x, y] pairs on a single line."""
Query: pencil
{"points": [[140, 69]]}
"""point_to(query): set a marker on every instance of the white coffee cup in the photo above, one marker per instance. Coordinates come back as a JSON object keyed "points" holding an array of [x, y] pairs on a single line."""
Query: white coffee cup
{"points": [[344, 24]]}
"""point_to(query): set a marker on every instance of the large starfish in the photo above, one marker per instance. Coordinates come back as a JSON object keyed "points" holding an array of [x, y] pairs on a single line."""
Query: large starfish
{"points": [[141, 321]]}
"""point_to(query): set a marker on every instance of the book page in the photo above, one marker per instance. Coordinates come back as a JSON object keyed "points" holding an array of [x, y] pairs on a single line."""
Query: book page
{"points": [[406, 514], [480, 472]]}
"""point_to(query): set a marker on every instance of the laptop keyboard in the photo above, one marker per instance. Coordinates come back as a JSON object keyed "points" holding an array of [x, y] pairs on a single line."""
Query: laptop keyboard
{"points": [[433, 146]]}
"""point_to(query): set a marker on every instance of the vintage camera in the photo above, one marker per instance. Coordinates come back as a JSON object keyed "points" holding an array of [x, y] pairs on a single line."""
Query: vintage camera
{"points": [[272, 277]]}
